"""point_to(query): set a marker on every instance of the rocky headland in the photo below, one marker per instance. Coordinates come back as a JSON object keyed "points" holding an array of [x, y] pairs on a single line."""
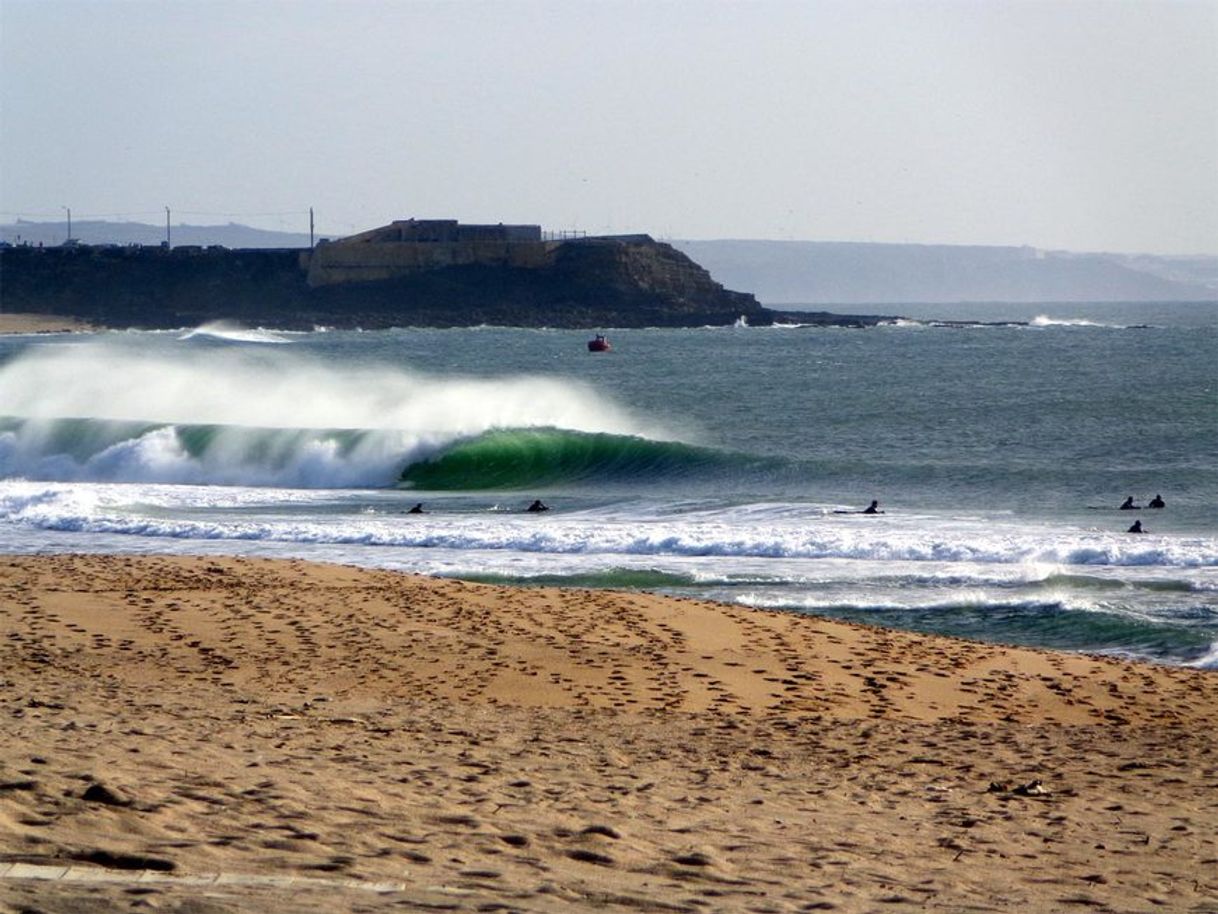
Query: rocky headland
{"points": [[372, 282]]}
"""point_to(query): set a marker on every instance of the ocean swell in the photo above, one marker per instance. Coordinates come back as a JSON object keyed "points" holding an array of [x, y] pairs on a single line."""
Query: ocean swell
{"points": [[106, 411]]}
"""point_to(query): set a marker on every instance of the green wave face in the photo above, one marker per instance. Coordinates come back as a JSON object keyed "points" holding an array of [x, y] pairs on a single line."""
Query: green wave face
{"points": [[524, 458]]}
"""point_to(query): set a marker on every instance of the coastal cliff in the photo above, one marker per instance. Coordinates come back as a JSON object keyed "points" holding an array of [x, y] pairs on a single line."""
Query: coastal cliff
{"points": [[368, 282]]}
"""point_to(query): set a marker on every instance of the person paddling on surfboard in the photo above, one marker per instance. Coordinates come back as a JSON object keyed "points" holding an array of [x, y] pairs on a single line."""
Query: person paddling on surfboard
{"points": [[1128, 505], [1156, 502], [873, 508], [1136, 528], [537, 506]]}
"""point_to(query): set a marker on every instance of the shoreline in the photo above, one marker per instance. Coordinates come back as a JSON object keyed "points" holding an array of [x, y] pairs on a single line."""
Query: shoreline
{"points": [[23, 323], [544, 749]]}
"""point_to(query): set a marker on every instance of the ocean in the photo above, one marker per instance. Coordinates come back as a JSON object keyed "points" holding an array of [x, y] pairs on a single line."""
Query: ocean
{"points": [[722, 463]]}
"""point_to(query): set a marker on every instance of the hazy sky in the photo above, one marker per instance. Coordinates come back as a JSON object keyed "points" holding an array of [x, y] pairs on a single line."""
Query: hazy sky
{"points": [[1077, 125]]}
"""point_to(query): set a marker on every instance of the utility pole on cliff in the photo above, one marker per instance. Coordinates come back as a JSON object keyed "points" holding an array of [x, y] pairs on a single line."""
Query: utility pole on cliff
{"points": [[167, 241], [310, 228], [69, 209]]}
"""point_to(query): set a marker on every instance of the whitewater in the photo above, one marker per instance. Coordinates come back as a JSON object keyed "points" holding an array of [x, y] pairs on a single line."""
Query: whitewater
{"points": [[726, 463]]}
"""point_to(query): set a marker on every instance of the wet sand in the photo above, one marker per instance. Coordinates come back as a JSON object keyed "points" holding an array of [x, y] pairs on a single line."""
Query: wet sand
{"points": [[213, 735]]}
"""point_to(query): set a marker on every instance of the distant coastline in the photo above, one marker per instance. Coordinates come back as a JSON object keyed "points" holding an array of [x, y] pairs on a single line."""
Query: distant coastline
{"points": [[795, 275], [846, 274], [430, 273]]}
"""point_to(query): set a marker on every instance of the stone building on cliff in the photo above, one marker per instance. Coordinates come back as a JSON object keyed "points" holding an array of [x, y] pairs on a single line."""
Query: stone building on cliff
{"points": [[408, 246]]}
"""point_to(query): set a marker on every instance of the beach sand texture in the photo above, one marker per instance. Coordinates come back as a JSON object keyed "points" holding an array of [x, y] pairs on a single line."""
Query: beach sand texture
{"points": [[11, 322], [223, 734]]}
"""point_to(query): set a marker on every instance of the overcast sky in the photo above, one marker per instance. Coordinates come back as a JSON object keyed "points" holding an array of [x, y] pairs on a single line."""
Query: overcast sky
{"points": [[1073, 125]]}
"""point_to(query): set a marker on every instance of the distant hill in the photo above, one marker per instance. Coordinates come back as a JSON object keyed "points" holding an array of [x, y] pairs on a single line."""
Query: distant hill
{"points": [[231, 235], [788, 273]]}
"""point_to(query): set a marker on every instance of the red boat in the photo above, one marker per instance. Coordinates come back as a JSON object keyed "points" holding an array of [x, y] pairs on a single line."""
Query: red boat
{"points": [[599, 344]]}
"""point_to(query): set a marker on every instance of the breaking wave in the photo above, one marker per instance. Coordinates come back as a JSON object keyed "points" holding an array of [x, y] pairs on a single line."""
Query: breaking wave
{"points": [[523, 458], [269, 416], [233, 332], [1043, 320], [98, 450]]}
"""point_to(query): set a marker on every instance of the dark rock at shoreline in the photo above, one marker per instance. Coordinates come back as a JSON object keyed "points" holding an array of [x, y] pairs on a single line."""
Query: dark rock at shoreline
{"points": [[587, 283]]}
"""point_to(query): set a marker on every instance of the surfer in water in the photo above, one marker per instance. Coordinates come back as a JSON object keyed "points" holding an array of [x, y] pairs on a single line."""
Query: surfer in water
{"points": [[417, 509], [1156, 502], [1128, 505], [873, 508], [537, 506], [1136, 528]]}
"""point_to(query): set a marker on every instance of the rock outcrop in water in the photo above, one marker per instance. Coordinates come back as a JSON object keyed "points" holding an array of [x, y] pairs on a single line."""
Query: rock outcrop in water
{"points": [[375, 281]]}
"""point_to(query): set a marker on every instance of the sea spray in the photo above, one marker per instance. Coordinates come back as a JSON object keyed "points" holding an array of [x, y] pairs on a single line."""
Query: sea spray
{"points": [[231, 331], [113, 378], [1044, 320], [109, 411]]}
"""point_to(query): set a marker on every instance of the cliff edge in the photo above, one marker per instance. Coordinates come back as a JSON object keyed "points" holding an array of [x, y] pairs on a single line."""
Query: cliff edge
{"points": [[436, 274]]}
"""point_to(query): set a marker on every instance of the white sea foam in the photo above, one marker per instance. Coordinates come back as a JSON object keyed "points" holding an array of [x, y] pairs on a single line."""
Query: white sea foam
{"points": [[971, 572], [862, 598], [1209, 660], [234, 332], [736, 535], [1044, 320], [233, 456]]}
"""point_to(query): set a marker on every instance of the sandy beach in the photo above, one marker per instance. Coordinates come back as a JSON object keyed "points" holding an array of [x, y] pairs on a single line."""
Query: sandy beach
{"points": [[225, 734], [41, 323]]}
